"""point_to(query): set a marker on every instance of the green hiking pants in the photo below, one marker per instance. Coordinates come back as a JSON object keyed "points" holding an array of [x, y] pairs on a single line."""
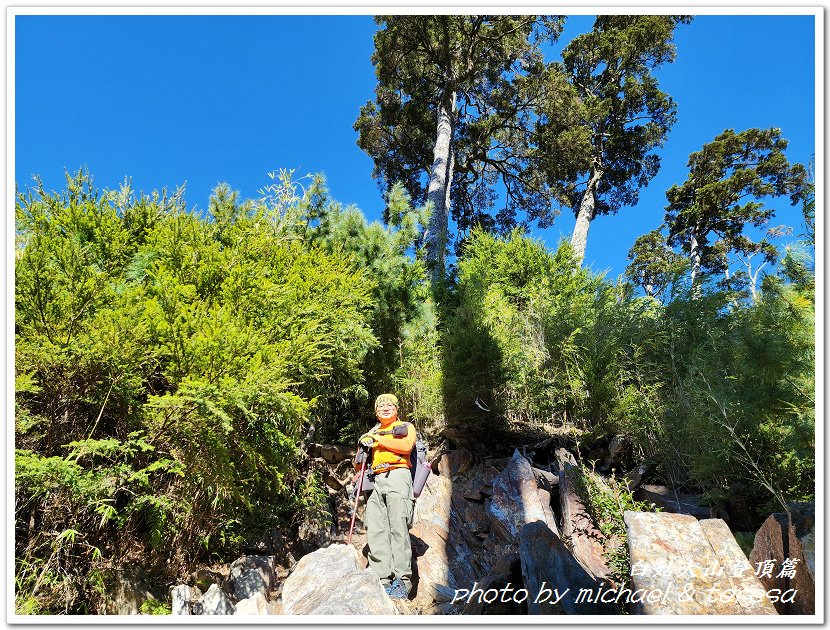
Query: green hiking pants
{"points": [[388, 519]]}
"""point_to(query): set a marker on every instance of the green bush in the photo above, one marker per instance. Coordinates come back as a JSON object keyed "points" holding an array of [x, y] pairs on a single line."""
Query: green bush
{"points": [[168, 366]]}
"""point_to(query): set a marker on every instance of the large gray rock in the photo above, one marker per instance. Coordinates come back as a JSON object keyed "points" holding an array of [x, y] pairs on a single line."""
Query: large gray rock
{"points": [[549, 570], [263, 565], [126, 590], [180, 600], [254, 605], [517, 500], [249, 583], [213, 602], [682, 566], [455, 463], [329, 581]]}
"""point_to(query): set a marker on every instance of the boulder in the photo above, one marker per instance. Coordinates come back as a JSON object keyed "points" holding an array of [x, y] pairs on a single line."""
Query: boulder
{"points": [[180, 600], [682, 566], [263, 565], [517, 500], [442, 543], [455, 463], [126, 590], [254, 605], [213, 602], [203, 578], [333, 453], [586, 541], [616, 450], [670, 501], [481, 484], [775, 542], [329, 581], [548, 564], [247, 584], [563, 456], [634, 477], [547, 480]]}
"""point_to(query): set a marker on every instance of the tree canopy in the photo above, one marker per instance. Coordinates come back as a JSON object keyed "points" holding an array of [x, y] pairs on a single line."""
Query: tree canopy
{"points": [[730, 182], [454, 114], [623, 116]]}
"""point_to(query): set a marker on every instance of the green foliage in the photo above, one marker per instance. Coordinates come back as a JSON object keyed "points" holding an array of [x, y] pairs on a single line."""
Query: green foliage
{"points": [[625, 116], [170, 368], [487, 73], [154, 607], [720, 398], [606, 503], [726, 191], [167, 367], [516, 338], [654, 266]]}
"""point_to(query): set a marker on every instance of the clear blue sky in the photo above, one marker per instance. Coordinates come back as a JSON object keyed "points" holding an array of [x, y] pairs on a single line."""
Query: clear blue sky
{"points": [[209, 99]]}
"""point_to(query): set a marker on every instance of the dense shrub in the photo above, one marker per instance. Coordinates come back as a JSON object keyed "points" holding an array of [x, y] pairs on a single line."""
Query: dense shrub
{"points": [[167, 366]]}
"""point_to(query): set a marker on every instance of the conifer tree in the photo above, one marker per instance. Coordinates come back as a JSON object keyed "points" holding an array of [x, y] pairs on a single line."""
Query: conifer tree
{"points": [[624, 115], [729, 181], [455, 101]]}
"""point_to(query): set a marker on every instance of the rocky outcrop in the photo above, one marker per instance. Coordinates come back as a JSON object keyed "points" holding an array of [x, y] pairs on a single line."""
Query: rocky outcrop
{"points": [[518, 500], [126, 590], [586, 541], [251, 574], [778, 541], [214, 602], [330, 581], [454, 463], [549, 567], [180, 600], [254, 605], [682, 566], [670, 501], [441, 541]]}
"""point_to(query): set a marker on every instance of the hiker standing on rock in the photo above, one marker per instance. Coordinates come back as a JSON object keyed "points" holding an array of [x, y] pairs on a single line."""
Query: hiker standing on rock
{"points": [[390, 506]]}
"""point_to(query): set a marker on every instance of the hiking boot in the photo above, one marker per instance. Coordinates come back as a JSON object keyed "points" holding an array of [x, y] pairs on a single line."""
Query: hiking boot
{"points": [[397, 590]]}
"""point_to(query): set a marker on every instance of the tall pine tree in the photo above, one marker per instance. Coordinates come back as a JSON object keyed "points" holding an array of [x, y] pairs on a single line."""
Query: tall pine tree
{"points": [[456, 101]]}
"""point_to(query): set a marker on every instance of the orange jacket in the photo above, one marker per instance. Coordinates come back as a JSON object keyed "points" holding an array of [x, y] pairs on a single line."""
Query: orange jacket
{"points": [[391, 452]]}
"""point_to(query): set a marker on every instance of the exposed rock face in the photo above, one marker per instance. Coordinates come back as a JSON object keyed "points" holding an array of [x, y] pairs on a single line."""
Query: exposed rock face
{"points": [[249, 583], [586, 541], [548, 564], [454, 463], [682, 566], [126, 590], [775, 542], [254, 605], [669, 501], [517, 500], [440, 548], [251, 574], [330, 581], [180, 600], [616, 450], [213, 602]]}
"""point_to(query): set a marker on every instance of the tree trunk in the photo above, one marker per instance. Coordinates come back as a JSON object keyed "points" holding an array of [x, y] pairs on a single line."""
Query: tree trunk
{"points": [[438, 192], [694, 254], [587, 206]]}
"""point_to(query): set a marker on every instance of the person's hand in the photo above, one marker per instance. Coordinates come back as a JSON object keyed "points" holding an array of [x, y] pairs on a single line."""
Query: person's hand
{"points": [[360, 457], [367, 441]]}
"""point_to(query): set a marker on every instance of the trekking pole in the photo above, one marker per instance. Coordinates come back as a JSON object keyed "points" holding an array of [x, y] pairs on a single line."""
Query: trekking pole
{"points": [[356, 499]]}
